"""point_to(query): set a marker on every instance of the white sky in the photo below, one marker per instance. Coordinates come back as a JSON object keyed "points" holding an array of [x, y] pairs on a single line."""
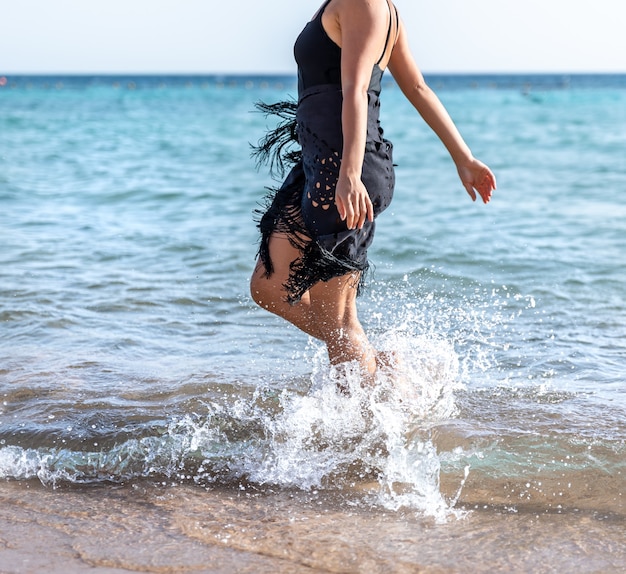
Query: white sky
{"points": [[256, 36]]}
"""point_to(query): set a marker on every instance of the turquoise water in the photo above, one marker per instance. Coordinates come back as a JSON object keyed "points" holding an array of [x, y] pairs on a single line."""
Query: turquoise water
{"points": [[130, 348]]}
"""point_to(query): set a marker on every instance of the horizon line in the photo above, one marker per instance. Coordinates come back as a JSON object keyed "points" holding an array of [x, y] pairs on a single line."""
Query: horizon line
{"points": [[294, 74]]}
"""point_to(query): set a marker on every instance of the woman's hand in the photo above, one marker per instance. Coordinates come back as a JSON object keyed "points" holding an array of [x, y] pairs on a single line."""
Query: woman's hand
{"points": [[353, 202], [477, 177]]}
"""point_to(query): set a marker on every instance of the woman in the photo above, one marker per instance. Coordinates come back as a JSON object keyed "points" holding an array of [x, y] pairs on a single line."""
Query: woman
{"points": [[319, 224]]}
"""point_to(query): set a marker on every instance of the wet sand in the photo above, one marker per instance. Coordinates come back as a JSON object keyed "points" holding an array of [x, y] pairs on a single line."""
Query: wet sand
{"points": [[154, 528]]}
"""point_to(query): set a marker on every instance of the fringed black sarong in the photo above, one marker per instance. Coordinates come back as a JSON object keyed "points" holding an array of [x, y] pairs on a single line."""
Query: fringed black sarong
{"points": [[303, 208]]}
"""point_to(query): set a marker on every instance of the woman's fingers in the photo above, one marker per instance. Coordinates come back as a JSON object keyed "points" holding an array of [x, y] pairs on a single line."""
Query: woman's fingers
{"points": [[343, 212], [362, 210], [486, 185], [355, 211], [470, 190], [366, 211], [478, 178]]}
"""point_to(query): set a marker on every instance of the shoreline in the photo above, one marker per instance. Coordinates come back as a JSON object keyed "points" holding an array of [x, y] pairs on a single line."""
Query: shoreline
{"points": [[147, 527]]}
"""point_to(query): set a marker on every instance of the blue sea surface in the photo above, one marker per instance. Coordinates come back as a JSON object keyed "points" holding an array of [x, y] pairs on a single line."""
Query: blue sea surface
{"points": [[130, 348]]}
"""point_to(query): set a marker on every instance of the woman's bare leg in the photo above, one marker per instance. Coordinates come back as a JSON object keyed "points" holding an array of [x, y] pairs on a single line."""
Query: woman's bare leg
{"points": [[269, 292], [333, 304], [327, 311]]}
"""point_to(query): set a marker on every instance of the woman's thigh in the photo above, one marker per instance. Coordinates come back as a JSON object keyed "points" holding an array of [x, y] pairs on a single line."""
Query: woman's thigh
{"points": [[326, 307]]}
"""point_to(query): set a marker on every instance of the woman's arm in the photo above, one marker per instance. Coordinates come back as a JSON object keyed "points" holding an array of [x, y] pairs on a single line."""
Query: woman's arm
{"points": [[474, 174], [359, 27]]}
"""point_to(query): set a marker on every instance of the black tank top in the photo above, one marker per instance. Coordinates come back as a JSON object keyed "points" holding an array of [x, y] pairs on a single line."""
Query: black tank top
{"points": [[319, 58]]}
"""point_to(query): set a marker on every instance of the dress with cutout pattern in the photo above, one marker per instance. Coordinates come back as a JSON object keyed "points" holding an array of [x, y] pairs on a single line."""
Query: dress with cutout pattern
{"points": [[303, 207]]}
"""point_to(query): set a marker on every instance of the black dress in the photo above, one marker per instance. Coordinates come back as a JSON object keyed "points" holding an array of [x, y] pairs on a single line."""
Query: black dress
{"points": [[304, 206]]}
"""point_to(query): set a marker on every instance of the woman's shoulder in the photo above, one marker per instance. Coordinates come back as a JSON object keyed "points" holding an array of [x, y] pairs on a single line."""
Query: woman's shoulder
{"points": [[362, 6]]}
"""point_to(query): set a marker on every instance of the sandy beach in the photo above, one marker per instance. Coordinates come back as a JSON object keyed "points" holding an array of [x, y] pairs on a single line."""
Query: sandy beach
{"points": [[154, 528]]}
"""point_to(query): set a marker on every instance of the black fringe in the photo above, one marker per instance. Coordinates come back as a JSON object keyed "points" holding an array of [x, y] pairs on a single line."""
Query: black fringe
{"points": [[318, 264], [282, 214], [275, 148]]}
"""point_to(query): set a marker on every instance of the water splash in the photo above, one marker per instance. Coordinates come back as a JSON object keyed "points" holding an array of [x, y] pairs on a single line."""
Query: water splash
{"points": [[372, 437], [366, 433], [330, 430]]}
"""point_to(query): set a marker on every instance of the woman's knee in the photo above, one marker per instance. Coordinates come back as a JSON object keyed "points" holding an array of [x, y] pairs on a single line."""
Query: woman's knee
{"points": [[260, 289], [268, 292]]}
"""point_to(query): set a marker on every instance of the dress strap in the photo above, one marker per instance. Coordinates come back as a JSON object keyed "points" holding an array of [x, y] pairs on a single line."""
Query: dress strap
{"points": [[391, 14], [321, 10]]}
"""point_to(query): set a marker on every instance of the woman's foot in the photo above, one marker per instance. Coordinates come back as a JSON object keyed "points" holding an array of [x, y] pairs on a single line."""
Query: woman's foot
{"points": [[387, 360], [351, 374]]}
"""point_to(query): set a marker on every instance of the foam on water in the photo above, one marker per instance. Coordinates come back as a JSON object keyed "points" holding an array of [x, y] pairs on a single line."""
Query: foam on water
{"points": [[422, 436], [458, 415], [329, 430], [367, 432], [332, 431]]}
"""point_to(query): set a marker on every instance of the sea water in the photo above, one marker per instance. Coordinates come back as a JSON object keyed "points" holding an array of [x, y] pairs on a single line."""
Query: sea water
{"points": [[130, 349]]}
